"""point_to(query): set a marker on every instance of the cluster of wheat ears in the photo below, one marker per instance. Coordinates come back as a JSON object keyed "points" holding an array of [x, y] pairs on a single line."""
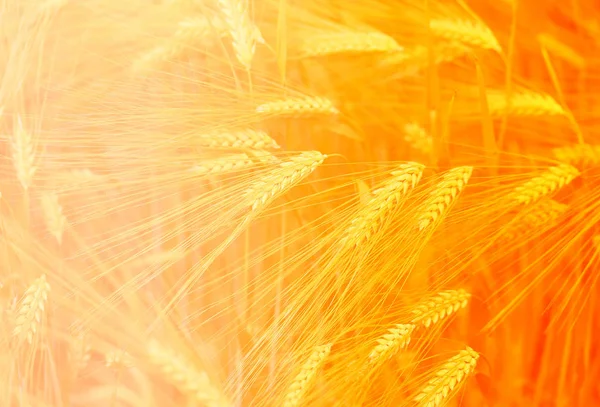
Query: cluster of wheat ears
{"points": [[231, 203]]}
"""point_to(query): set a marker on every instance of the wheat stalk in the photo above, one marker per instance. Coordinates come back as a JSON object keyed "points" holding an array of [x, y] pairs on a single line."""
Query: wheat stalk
{"points": [[53, 215], [299, 107], [184, 376], [23, 154], [244, 33], [31, 309], [306, 377], [524, 104], [383, 199], [579, 155], [547, 183], [443, 195], [79, 351], [348, 43], [439, 306], [418, 137], [287, 174], [390, 343], [249, 138], [229, 163], [471, 33], [448, 378]]}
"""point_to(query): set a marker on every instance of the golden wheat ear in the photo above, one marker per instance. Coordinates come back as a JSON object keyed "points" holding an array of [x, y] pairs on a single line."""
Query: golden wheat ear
{"points": [[298, 107], [581, 156], [384, 199], [470, 33], [31, 310], [306, 377], [443, 196], [439, 306], [447, 379], [348, 43], [545, 184], [184, 376], [396, 339]]}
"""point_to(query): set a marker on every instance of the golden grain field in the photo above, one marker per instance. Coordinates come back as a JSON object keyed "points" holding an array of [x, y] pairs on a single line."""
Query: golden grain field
{"points": [[297, 203]]}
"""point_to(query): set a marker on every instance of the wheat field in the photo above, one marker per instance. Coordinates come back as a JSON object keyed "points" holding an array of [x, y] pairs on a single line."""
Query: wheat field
{"points": [[236, 203]]}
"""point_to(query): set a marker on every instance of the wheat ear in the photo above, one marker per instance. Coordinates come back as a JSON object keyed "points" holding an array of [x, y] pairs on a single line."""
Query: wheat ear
{"points": [[53, 215], [547, 183], [543, 215], [23, 154], [298, 107], [524, 104], [228, 163], [416, 58], [348, 43], [439, 306], [284, 176], [418, 138], [579, 155], [244, 33], [443, 195], [306, 377], [190, 31], [395, 339], [31, 309], [249, 138], [471, 33], [447, 379], [184, 376], [118, 359], [383, 199]]}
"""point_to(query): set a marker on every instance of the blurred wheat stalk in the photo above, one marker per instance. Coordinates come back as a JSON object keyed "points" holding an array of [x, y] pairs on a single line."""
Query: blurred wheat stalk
{"points": [[299, 203]]}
